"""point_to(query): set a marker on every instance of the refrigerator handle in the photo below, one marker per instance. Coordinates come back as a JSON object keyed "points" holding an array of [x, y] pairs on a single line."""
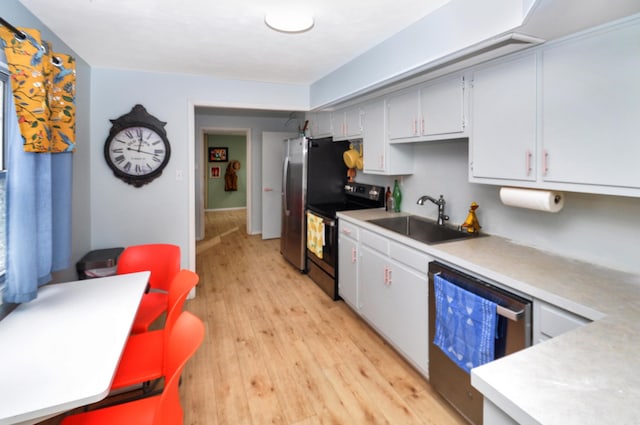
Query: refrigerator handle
{"points": [[285, 178]]}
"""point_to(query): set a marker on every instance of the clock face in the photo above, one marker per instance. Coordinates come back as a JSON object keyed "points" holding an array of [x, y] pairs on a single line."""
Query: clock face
{"points": [[137, 154], [137, 149]]}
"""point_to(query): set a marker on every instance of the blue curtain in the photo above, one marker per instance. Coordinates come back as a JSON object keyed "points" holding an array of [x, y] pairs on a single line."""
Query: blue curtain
{"points": [[38, 215]]}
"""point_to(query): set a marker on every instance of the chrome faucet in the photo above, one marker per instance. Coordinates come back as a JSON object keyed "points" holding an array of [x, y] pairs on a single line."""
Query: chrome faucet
{"points": [[440, 202]]}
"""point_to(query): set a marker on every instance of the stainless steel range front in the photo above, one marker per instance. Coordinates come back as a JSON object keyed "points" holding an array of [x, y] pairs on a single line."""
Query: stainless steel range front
{"points": [[322, 262]]}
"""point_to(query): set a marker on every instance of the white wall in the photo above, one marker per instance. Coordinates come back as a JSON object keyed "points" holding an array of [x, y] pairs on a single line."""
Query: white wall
{"points": [[593, 228], [451, 28], [161, 211]]}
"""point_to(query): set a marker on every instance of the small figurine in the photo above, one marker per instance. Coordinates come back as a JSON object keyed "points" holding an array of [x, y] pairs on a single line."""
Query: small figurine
{"points": [[471, 223], [351, 174]]}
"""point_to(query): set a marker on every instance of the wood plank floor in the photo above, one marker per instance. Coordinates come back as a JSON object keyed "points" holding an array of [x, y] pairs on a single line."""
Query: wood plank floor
{"points": [[278, 351]]}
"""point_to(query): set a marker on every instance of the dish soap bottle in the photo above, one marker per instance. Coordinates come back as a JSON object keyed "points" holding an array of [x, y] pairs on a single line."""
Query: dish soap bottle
{"points": [[388, 203], [397, 196]]}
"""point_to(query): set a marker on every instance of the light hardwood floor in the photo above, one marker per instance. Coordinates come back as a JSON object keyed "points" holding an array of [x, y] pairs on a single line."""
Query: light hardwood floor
{"points": [[277, 350]]}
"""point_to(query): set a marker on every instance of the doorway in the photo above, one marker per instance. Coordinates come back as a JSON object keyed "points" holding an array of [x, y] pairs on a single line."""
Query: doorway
{"points": [[253, 122], [222, 150]]}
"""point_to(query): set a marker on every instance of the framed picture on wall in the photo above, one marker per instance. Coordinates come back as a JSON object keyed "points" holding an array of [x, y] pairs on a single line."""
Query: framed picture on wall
{"points": [[218, 154], [214, 172]]}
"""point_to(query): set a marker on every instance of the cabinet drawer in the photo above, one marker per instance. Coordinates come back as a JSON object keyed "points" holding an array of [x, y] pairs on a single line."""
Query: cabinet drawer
{"points": [[555, 321], [410, 257], [375, 241], [348, 229]]}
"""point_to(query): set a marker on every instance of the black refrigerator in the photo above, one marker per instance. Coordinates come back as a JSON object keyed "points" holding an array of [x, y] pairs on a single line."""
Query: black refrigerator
{"points": [[314, 172]]}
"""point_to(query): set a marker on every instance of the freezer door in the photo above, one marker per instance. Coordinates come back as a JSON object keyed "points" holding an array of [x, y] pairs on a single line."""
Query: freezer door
{"points": [[292, 240], [327, 172]]}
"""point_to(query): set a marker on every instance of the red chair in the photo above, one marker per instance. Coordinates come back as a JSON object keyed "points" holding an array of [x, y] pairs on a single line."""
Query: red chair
{"points": [[163, 261], [165, 408], [144, 354]]}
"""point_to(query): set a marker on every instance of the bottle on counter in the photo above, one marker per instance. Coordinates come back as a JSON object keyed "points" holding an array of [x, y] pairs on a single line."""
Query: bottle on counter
{"points": [[388, 200], [397, 196]]}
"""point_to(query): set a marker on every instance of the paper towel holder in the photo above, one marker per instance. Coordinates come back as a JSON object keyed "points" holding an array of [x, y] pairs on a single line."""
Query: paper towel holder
{"points": [[535, 199]]}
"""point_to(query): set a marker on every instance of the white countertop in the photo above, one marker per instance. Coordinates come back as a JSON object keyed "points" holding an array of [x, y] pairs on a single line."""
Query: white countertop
{"points": [[60, 351], [587, 376]]}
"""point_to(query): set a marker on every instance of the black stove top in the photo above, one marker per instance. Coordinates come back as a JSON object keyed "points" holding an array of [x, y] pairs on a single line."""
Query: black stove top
{"points": [[358, 196]]}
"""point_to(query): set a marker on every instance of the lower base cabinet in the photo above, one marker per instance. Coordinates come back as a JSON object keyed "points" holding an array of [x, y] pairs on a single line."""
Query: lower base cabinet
{"points": [[493, 415], [391, 296], [550, 321]]}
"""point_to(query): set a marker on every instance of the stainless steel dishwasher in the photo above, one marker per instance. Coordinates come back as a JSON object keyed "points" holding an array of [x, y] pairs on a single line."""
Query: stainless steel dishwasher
{"points": [[514, 322]]}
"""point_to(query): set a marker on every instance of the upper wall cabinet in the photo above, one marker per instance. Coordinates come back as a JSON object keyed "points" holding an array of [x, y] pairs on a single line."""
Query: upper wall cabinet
{"points": [[591, 109], [379, 156], [503, 134], [319, 124], [403, 111], [432, 111], [562, 117], [347, 123], [443, 107]]}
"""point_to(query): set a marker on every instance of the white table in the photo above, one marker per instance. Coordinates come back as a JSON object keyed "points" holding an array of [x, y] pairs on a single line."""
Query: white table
{"points": [[60, 351]]}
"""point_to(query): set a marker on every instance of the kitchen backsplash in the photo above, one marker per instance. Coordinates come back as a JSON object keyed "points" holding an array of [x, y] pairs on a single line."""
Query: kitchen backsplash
{"points": [[593, 228]]}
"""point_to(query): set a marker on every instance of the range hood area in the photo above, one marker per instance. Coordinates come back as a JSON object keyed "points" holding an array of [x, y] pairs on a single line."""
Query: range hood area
{"points": [[460, 34]]}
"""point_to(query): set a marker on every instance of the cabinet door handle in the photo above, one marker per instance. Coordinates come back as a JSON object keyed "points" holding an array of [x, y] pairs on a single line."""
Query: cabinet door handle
{"points": [[386, 275], [353, 255], [422, 126], [389, 280], [545, 162], [346, 231], [528, 162]]}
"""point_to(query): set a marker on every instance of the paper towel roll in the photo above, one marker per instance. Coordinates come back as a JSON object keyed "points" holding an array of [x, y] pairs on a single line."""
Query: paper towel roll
{"points": [[541, 200]]}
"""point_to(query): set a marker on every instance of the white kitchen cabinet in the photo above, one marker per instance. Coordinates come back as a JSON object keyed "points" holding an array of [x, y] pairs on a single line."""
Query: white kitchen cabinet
{"points": [[492, 414], [550, 321], [561, 117], [394, 298], [591, 108], [319, 124], [431, 111], [379, 156], [347, 123], [348, 263], [504, 129], [442, 107], [403, 110]]}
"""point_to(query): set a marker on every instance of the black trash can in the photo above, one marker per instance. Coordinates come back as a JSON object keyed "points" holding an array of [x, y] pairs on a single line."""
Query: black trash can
{"points": [[98, 263]]}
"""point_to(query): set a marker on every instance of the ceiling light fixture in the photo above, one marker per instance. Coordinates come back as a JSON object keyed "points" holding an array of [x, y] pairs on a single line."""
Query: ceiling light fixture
{"points": [[289, 22]]}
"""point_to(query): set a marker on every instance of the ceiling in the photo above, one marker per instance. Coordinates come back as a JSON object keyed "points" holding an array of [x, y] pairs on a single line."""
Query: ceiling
{"points": [[225, 38]]}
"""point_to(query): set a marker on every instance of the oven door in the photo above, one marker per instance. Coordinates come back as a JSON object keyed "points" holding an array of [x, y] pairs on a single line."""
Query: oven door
{"points": [[323, 270], [329, 249]]}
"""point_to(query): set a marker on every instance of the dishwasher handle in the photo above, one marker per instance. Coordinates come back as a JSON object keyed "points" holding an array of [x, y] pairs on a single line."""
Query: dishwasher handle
{"points": [[505, 312]]}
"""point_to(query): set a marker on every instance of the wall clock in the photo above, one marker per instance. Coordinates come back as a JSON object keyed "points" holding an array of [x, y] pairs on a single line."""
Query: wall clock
{"points": [[137, 148]]}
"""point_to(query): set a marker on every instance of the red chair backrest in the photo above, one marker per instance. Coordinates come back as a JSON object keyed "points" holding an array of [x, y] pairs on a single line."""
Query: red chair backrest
{"points": [[184, 339], [162, 260], [181, 285]]}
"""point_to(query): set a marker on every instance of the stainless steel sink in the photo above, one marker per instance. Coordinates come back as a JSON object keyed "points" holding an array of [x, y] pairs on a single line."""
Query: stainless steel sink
{"points": [[420, 229]]}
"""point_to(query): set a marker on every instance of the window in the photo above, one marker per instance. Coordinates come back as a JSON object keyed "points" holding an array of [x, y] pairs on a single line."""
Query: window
{"points": [[4, 99]]}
